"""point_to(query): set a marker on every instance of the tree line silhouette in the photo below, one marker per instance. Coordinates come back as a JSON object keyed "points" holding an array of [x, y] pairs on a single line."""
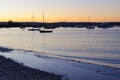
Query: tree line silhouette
{"points": [[11, 24]]}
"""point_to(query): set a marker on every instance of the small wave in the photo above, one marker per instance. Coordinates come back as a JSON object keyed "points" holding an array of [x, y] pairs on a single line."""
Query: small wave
{"points": [[105, 62]]}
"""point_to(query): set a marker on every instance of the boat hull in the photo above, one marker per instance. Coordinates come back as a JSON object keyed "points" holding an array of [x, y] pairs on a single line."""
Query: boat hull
{"points": [[33, 29], [45, 31]]}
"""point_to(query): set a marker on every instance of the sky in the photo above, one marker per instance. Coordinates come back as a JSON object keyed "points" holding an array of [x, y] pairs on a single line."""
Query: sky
{"points": [[60, 10]]}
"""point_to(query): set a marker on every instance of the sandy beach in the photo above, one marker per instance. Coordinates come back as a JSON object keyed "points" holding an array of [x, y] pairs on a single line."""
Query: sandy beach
{"points": [[11, 70]]}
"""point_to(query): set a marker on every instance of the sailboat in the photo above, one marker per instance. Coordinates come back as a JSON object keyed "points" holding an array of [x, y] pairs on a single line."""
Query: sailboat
{"points": [[34, 28], [105, 24], [45, 31], [90, 26]]}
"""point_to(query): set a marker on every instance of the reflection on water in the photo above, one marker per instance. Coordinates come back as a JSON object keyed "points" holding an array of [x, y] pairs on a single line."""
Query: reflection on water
{"points": [[99, 45]]}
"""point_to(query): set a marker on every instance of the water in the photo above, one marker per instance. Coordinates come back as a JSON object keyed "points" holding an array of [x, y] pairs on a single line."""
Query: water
{"points": [[98, 46]]}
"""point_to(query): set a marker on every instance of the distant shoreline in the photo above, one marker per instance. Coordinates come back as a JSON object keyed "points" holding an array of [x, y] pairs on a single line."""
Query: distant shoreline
{"points": [[53, 25]]}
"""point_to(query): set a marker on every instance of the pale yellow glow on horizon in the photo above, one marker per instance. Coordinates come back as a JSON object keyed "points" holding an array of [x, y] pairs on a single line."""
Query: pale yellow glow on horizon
{"points": [[59, 19]]}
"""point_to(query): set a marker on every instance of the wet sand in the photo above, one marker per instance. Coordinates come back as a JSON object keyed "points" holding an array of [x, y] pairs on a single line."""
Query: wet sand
{"points": [[11, 70]]}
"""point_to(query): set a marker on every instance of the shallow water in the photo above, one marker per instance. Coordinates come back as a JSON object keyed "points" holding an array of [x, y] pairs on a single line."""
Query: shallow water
{"points": [[98, 46], [71, 70]]}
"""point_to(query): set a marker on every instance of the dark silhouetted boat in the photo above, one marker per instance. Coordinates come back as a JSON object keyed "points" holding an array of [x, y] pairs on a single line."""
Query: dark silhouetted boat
{"points": [[104, 25], [34, 29], [79, 26], [90, 27], [45, 31]]}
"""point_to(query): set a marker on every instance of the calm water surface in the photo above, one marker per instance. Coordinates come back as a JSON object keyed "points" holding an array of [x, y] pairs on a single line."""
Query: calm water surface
{"points": [[98, 46]]}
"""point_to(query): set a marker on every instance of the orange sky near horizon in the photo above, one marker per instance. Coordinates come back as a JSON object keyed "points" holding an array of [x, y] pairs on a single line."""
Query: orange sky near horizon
{"points": [[60, 10]]}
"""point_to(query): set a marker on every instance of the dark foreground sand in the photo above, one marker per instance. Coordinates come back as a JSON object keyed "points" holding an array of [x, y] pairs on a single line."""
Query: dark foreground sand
{"points": [[11, 70]]}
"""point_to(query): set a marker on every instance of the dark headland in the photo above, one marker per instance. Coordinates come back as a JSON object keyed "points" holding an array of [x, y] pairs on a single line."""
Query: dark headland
{"points": [[11, 70]]}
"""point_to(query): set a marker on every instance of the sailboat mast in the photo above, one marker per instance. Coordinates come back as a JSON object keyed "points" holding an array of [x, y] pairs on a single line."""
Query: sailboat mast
{"points": [[43, 16], [105, 19], [44, 31], [80, 19], [89, 19], [33, 17]]}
